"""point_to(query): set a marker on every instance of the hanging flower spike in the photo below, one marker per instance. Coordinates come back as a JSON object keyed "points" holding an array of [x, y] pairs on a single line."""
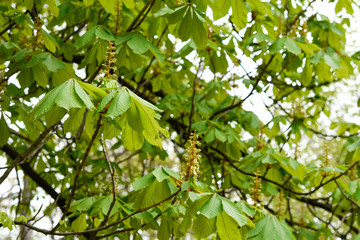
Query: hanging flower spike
{"points": [[256, 189], [191, 166], [109, 64]]}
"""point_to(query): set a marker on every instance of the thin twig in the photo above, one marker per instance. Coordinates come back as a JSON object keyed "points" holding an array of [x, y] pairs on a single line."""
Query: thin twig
{"points": [[82, 164], [135, 21], [346, 196], [112, 173], [47, 232]]}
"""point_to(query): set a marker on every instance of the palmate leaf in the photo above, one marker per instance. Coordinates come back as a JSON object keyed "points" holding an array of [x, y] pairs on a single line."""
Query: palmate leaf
{"points": [[270, 228], [138, 117], [234, 211], [204, 226], [160, 174], [67, 96], [132, 139], [212, 207], [228, 228], [156, 192], [4, 129], [119, 105], [138, 43]]}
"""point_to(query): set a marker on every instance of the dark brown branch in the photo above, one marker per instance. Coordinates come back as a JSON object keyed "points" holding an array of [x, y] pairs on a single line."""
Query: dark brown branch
{"points": [[257, 80], [12, 24], [135, 21], [47, 232], [29, 171], [346, 196], [282, 185], [25, 156]]}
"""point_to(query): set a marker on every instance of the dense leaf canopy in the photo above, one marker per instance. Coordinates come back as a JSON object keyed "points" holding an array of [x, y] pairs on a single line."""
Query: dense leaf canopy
{"points": [[179, 119]]}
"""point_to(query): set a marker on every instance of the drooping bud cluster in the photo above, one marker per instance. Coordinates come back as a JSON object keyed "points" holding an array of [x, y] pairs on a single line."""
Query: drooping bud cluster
{"points": [[191, 166], [256, 188], [109, 68]]}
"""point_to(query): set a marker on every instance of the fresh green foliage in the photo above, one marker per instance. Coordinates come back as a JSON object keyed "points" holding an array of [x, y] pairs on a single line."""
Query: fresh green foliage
{"points": [[202, 119]]}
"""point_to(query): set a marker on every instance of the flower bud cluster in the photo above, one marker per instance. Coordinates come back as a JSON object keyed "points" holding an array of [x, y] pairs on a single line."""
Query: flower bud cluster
{"points": [[191, 166], [108, 66], [255, 190]]}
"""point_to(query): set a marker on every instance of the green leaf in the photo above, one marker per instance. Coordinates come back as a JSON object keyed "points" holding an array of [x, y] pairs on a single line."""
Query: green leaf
{"points": [[86, 38], [53, 7], [88, 3], [4, 129], [93, 90], [186, 28], [53, 64], [155, 192], [146, 103], [234, 211], [178, 14], [54, 115], [68, 95], [292, 46], [331, 61], [150, 125], [270, 228], [160, 174], [323, 71], [109, 5], [157, 53], [62, 76], [49, 42], [40, 75], [67, 98], [138, 43], [227, 228], [204, 226], [29, 4], [277, 46], [220, 136], [245, 208], [212, 207], [306, 75], [220, 8], [105, 101], [80, 223], [101, 205], [36, 59], [104, 34], [171, 173], [129, 3], [199, 34], [83, 95], [21, 219], [347, 4], [132, 139], [6, 221], [239, 13], [164, 232], [143, 182], [74, 121], [355, 145], [120, 104]]}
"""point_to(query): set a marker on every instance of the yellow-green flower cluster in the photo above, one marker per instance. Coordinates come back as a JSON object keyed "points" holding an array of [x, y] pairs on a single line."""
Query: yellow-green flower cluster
{"points": [[109, 68], [191, 166]]}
